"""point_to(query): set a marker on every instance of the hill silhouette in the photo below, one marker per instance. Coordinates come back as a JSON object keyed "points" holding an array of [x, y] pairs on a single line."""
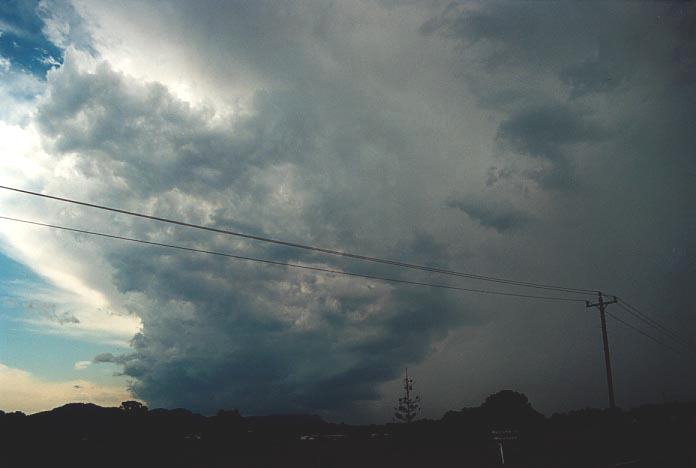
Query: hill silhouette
{"points": [[86, 434]]}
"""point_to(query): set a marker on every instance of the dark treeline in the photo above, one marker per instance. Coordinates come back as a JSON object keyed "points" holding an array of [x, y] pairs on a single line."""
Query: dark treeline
{"points": [[86, 434]]}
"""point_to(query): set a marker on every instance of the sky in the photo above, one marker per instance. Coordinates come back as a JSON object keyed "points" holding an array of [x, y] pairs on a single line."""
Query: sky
{"points": [[547, 142]]}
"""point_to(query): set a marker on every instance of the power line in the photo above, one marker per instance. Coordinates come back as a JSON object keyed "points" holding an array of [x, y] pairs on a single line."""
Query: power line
{"points": [[294, 265], [655, 325], [645, 334], [311, 247], [634, 311]]}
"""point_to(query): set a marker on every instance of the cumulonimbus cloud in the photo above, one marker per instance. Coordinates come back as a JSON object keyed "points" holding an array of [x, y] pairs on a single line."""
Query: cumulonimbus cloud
{"points": [[338, 126]]}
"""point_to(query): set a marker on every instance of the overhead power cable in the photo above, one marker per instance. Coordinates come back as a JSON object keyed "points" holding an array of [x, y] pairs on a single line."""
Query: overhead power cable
{"points": [[647, 335], [656, 325], [311, 247], [294, 265]]}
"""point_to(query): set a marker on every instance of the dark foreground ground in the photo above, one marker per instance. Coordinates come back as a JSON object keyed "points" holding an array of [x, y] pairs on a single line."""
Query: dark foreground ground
{"points": [[334, 454], [88, 435]]}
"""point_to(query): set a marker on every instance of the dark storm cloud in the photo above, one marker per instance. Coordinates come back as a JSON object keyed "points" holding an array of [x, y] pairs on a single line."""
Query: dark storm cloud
{"points": [[265, 365], [362, 137], [487, 214], [522, 50], [110, 358], [221, 333], [596, 94], [545, 132], [143, 135], [665, 40], [596, 75], [515, 34], [232, 346]]}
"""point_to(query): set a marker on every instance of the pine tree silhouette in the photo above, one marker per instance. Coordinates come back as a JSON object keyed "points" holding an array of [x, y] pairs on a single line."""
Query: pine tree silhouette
{"points": [[409, 406]]}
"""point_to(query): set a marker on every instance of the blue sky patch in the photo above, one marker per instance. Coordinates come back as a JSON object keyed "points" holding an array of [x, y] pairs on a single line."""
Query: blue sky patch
{"points": [[50, 356], [22, 40]]}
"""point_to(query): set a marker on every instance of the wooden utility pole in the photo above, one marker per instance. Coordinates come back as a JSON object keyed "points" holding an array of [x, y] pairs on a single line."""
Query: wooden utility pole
{"points": [[601, 304]]}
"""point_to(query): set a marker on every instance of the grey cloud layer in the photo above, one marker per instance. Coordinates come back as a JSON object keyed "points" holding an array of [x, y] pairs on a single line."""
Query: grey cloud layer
{"points": [[217, 333], [493, 216], [374, 123]]}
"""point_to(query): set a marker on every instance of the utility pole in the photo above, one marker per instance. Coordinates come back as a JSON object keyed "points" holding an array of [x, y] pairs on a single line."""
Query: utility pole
{"points": [[601, 304]]}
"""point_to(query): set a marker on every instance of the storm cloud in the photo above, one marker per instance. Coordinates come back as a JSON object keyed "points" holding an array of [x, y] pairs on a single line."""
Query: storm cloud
{"points": [[548, 142], [500, 218]]}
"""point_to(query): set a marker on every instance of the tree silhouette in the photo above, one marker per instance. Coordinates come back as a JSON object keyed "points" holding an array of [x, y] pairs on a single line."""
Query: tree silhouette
{"points": [[409, 406], [133, 407], [509, 408]]}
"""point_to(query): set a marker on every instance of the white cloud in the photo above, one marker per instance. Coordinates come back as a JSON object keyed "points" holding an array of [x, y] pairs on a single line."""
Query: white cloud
{"points": [[82, 365], [5, 64], [26, 164]]}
